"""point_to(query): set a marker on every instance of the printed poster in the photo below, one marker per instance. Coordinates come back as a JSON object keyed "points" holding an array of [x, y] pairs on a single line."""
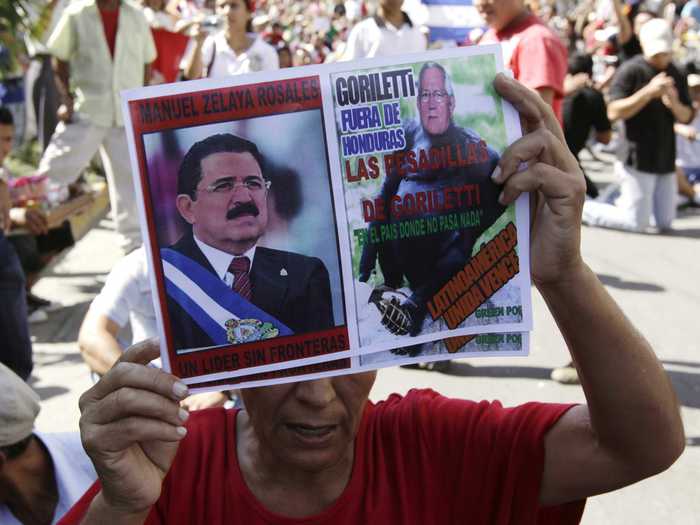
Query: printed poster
{"points": [[324, 214]]}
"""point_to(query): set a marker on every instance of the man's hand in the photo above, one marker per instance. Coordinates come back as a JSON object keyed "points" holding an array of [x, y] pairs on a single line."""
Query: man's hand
{"points": [[670, 97], [31, 219], [659, 85], [131, 426], [5, 206], [552, 176]]}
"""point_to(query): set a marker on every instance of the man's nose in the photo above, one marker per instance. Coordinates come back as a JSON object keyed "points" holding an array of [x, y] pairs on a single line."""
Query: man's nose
{"points": [[241, 193], [318, 393]]}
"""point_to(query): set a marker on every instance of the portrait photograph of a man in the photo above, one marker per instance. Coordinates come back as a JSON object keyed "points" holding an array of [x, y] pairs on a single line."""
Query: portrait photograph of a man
{"points": [[433, 204], [246, 231]]}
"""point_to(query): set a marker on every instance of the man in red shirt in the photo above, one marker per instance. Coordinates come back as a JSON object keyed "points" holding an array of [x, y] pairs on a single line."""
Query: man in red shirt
{"points": [[531, 50], [319, 452]]}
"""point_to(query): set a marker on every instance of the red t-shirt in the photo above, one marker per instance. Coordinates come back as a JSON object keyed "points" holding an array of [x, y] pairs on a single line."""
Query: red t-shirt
{"points": [[110, 21], [420, 459], [535, 54]]}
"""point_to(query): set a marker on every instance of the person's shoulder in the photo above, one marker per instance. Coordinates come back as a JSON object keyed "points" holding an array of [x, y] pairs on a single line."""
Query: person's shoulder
{"points": [[536, 29]]}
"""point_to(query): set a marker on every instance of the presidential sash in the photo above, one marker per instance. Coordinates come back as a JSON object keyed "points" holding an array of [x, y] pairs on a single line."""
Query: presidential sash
{"points": [[225, 316]]}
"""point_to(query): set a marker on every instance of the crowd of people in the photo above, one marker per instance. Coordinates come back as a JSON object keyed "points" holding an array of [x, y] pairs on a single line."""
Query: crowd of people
{"points": [[606, 76]]}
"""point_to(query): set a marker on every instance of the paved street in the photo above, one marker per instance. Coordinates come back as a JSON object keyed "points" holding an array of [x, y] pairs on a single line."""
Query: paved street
{"points": [[653, 277]]}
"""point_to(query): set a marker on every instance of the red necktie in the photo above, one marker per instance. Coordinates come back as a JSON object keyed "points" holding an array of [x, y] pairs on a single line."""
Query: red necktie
{"points": [[239, 267]]}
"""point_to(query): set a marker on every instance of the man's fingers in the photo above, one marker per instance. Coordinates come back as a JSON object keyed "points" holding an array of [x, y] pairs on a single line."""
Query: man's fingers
{"points": [[121, 434], [554, 184], [534, 111], [131, 375], [127, 402], [538, 146], [141, 353]]}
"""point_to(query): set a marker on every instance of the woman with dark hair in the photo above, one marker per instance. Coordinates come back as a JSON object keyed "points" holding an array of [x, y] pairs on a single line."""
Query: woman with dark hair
{"points": [[232, 51]]}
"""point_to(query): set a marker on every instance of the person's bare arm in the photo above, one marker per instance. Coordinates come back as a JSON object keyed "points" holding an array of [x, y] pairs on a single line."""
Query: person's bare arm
{"points": [[98, 343], [623, 434], [682, 113], [685, 131], [61, 70], [195, 68], [625, 33], [628, 107], [147, 74]]}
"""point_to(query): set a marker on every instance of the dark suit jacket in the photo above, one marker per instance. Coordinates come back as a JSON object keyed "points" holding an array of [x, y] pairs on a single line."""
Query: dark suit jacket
{"points": [[301, 299]]}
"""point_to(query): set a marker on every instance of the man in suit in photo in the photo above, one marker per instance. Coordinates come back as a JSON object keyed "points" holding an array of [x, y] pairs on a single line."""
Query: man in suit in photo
{"points": [[223, 196]]}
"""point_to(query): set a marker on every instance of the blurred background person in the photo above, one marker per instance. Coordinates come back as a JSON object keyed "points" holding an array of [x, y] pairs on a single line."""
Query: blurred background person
{"points": [[232, 50], [41, 474]]}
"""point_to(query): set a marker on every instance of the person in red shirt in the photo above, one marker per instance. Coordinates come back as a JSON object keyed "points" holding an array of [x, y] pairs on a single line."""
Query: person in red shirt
{"points": [[318, 452], [531, 50]]}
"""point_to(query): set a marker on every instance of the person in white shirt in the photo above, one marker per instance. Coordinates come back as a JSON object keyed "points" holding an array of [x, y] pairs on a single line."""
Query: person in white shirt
{"points": [[234, 50], [389, 32], [41, 475], [126, 301]]}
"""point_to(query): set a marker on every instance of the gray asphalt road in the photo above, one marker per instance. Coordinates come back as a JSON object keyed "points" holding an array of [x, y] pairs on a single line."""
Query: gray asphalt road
{"points": [[653, 277]]}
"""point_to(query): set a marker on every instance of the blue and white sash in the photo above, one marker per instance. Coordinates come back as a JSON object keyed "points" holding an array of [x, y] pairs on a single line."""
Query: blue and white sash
{"points": [[220, 312]]}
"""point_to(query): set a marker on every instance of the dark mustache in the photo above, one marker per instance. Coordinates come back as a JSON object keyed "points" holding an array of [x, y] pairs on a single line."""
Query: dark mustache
{"points": [[247, 208]]}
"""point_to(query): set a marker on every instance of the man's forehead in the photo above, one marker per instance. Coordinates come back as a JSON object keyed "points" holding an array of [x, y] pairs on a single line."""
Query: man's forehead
{"points": [[431, 77], [7, 130], [230, 163]]}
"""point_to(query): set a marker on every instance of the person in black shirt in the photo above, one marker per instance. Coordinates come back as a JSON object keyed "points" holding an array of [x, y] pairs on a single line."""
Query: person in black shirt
{"points": [[585, 109], [649, 94]]}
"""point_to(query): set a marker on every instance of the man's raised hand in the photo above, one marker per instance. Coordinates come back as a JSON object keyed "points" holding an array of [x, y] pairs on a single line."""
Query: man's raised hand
{"points": [[553, 177], [131, 424]]}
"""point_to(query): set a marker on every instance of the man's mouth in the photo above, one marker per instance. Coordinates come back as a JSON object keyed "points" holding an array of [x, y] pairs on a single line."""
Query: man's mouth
{"points": [[312, 433]]}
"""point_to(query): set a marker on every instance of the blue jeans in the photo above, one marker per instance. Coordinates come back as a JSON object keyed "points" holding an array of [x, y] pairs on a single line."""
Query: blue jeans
{"points": [[15, 345]]}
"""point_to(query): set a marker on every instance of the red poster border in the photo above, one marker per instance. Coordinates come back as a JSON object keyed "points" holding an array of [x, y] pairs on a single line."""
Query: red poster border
{"points": [[198, 117]]}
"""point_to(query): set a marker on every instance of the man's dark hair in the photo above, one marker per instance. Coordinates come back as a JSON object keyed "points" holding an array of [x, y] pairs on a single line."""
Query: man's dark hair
{"points": [[6, 117], [190, 172], [580, 63], [16, 449]]}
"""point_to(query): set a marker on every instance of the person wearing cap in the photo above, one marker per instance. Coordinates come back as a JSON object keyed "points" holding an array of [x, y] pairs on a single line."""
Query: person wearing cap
{"points": [[41, 475], [649, 94], [235, 50]]}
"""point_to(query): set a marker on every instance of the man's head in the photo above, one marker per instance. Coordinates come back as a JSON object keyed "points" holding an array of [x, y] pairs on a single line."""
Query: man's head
{"points": [[391, 5], [19, 406], [580, 63], [498, 14], [656, 39], [7, 133], [222, 192], [310, 425], [436, 99]]}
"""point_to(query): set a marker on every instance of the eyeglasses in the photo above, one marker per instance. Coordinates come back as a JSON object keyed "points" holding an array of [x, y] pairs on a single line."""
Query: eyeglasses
{"points": [[439, 95], [228, 184]]}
